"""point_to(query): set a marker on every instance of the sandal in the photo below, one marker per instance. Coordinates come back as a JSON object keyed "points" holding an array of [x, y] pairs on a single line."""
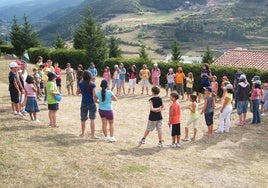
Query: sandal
{"points": [[186, 139]]}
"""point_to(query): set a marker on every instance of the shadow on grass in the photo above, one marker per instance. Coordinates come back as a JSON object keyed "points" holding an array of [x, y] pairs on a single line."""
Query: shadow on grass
{"points": [[21, 128], [138, 151]]}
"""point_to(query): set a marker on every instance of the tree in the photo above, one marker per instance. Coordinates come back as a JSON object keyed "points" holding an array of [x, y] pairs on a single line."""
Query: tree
{"points": [[89, 36], [114, 50], [59, 43], [142, 53], [23, 37], [2, 40], [176, 54], [208, 56]]}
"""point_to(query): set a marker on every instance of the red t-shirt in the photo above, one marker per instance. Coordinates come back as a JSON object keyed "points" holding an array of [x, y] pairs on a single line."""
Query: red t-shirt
{"points": [[176, 113]]}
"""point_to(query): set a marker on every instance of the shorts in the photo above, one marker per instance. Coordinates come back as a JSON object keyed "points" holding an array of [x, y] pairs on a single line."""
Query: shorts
{"points": [[14, 95], [209, 118], [151, 125], [53, 107], [69, 83], [201, 88], [132, 83], [58, 82], [145, 83], [41, 85], [175, 129], [88, 110], [169, 86], [116, 83], [265, 105], [192, 120], [108, 114], [189, 91], [31, 105], [242, 107], [121, 83]]}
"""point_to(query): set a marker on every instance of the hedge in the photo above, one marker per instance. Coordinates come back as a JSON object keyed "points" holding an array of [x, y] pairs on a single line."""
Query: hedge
{"points": [[7, 49]]}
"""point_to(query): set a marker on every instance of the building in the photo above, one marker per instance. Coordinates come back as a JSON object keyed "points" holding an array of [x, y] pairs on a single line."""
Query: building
{"points": [[244, 58]]}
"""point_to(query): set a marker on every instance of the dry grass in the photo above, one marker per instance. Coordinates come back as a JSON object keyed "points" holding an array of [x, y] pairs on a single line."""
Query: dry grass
{"points": [[34, 155]]}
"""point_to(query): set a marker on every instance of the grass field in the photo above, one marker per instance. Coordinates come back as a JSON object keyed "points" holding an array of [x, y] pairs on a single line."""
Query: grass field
{"points": [[34, 155]]}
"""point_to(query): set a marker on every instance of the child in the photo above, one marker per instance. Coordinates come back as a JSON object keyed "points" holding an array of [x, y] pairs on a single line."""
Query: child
{"points": [[41, 73], [105, 98], [31, 103], [170, 81], [189, 84], [144, 75], [107, 75], [174, 120], [37, 81], [255, 98], [70, 78], [93, 71], [208, 110], [88, 107], [122, 77], [193, 118], [156, 73], [132, 75], [58, 74], [179, 79], [214, 86], [265, 99], [53, 106], [226, 110], [155, 116], [116, 79], [79, 74]]}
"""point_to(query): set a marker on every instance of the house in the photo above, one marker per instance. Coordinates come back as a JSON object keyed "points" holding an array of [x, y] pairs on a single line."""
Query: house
{"points": [[244, 58]]}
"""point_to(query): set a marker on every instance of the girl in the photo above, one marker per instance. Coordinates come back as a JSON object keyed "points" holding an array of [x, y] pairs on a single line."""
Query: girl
{"points": [[132, 74], [205, 79], [170, 81], [88, 107], [189, 84], [58, 74], [193, 118], [107, 75], [156, 73], [104, 98], [226, 110], [37, 81], [70, 78], [31, 103], [255, 98], [214, 86], [53, 105], [179, 79], [116, 79], [79, 74]]}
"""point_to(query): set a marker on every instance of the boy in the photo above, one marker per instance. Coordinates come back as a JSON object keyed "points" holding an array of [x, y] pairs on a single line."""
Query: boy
{"points": [[174, 120], [155, 116], [208, 110]]}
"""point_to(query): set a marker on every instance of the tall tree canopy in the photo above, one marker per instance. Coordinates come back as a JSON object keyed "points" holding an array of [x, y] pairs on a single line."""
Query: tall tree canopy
{"points": [[114, 50], [89, 36], [176, 54], [59, 43], [208, 56], [142, 53]]}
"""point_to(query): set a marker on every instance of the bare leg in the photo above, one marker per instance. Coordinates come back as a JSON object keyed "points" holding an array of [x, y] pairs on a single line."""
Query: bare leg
{"points": [[92, 128], [104, 126], [83, 128], [111, 124], [195, 131], [186, 133], [159, 135]]}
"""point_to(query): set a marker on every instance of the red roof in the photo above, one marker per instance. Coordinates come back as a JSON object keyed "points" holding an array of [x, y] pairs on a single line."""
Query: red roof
{"points": [[244, 58]]}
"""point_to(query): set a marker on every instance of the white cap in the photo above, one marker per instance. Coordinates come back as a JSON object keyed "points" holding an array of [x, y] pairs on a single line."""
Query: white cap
{"points": [[155, 65], [115, 66], [13, 64], [170, 69], [229, 86], [258, 82], [242, 77]]}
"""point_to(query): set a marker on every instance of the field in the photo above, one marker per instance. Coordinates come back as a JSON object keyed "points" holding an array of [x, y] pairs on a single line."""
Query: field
{"points": [[34, 155]]}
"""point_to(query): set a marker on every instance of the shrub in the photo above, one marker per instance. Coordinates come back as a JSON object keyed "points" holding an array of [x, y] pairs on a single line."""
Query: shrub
{"points": [[7, 49], [35, 52]]}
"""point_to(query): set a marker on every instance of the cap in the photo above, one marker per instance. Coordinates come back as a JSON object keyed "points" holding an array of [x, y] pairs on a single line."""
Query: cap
{"points": [[115, 66], [170, 69], [13, 64], [208, 88], [257, 82], [255, 78], [242, 77], [229, 86], [155, 65], [51, 75]]}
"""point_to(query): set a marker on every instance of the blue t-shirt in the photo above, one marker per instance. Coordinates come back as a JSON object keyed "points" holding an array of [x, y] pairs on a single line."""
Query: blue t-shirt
{"points": [[205, 80], [107, 103], [122, 75], [93, 71], [87, 94]]}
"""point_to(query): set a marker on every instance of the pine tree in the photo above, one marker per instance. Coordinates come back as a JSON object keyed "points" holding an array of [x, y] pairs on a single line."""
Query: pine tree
{"points": [[2, 40], [90, 37], [142, 53], [59, 43], [114, 50], [176, 54], [208, 56], [16, 35]]}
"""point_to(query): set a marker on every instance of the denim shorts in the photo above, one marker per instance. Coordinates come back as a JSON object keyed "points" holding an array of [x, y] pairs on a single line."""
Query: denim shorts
{"points": [[88, 111], [53, 107], [242, 107], [209, 118]]}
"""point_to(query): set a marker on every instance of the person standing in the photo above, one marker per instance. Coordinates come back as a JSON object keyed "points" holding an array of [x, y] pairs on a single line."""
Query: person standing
{"points": [[179, 80], [156, 73], [236, 81], [70, 78], [255, 98], [170, 81], [58, 74], [205, 80], [132, 74], [122, 77], [94, 73], [145, 75]]}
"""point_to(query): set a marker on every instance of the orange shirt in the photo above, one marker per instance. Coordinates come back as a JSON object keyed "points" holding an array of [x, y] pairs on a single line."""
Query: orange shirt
{"points": [[175, 113], [179, 77]]}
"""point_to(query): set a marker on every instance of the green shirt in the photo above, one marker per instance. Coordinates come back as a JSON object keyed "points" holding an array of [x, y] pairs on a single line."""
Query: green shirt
{"points": [[51, 87]]}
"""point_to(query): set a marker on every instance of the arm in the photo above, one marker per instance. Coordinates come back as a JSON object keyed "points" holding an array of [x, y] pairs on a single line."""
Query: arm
{"points": [[114, 98], [154, 109], [226, 100], [204, 107], [78, 90], [170, 114], [192, 108]]}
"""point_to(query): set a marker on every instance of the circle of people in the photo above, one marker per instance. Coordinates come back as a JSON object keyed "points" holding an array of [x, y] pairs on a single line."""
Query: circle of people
{"points": [[45, 81]]}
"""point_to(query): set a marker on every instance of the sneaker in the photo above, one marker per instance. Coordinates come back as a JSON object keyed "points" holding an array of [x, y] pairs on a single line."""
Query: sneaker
{"points": [[112, 139], [36, 121], [178, 145], [160, 145], [218, 131], [240, 124], [107, 138], [20, 115], [172, 145], [142, 141], [45, 103]]}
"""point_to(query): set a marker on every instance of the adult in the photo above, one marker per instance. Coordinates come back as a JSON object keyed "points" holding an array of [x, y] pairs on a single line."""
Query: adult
{"points": [[156, 73], [88, 107], [237, 75], [206, 75], [122, 78], [132, 74], [179, 81], [145, 75], [242, 96], [70, 78]]}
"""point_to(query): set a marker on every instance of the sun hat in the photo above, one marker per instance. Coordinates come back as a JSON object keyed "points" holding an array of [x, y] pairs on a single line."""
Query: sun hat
{"points": [[229, 86], [208, 88], [265, 84], [115, 66], [13, 64]]}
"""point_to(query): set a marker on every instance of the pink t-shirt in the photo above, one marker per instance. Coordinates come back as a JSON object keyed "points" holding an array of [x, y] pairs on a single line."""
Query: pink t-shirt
{"points": [[29, 89], [214, 86], [255, 94], [106, 75], [156, 73]]}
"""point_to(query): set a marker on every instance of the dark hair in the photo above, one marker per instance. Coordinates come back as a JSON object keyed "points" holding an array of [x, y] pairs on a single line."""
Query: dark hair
{"points": [[29, 79], [87, 79], [206, 65], [257, 86], [174, 95], [155, 90], [34, 69], [39, 57], [193, 97], [80, 66], [230, 91], [103, 85]]}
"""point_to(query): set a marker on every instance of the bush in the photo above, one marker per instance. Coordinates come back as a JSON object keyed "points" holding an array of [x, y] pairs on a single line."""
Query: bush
{"points": [[7, 49], [35, 52]]}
